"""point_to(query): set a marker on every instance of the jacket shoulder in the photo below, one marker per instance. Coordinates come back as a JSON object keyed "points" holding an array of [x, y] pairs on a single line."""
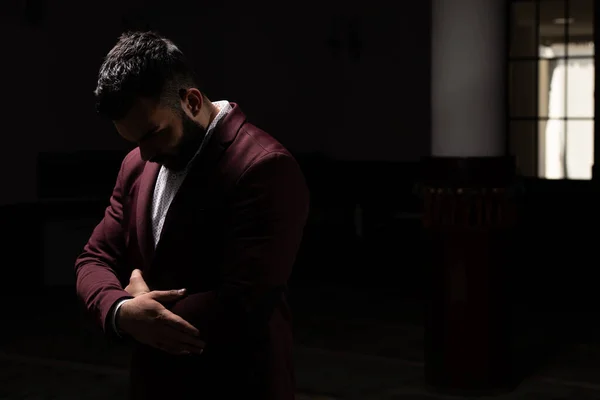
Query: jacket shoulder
{"points": [[253, 145]]}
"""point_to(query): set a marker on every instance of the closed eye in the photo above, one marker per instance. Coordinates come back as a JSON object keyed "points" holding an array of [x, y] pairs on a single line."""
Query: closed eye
{"points": [[151, 135]]}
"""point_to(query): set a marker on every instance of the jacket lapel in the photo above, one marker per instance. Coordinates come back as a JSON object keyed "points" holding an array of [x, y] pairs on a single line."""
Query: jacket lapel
{"points": [[195, 187], [193, 190]]}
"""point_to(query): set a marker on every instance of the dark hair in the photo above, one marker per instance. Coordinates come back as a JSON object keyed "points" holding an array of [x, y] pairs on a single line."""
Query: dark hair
{"points": [[141, 64]]}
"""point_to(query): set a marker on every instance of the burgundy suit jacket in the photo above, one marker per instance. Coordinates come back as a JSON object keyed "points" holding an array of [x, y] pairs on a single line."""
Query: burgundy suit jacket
{"points": [[230, 238]]}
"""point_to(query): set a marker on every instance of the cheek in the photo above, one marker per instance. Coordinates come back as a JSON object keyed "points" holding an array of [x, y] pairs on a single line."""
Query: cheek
{"points": [[157, 146], [176, 139], [168, 144]]}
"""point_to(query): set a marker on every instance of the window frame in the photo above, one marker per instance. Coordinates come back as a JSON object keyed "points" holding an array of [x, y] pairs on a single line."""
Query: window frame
{"points": [[511, 60]]}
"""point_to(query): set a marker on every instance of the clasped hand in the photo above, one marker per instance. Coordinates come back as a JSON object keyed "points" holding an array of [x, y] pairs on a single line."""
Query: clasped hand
{"points": [[146, 320]]}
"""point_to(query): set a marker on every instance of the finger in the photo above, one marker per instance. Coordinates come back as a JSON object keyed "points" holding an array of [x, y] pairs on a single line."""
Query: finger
{"points": [[187, 350], [172, 349], [191, 343], [167, 295], [175, 347], [169, 341], [176, 322]]}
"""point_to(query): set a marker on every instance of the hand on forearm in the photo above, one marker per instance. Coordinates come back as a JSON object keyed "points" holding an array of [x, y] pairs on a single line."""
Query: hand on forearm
{"points": [[146, 320]]}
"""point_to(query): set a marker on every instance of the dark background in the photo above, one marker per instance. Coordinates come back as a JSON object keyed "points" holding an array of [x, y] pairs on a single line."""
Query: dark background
{"points": [[345, 88]]}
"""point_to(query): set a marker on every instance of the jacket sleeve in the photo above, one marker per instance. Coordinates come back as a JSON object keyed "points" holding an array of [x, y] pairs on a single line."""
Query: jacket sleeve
{"points": [[269, 211], [97, 284]]}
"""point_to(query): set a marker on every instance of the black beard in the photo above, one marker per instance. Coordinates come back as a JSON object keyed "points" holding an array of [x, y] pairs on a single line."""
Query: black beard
{"points": [[192, 136]]}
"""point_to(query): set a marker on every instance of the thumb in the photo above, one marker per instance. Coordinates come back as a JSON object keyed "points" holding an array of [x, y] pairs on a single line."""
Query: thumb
{"points": [[136, 273], [167, 295]]}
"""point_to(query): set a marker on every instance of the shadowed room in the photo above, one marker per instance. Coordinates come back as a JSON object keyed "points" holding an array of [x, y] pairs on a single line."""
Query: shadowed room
{"points": [[448, 150]]}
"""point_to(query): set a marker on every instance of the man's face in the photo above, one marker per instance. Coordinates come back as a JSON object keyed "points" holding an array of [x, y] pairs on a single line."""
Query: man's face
{"points": [[164, 136]]}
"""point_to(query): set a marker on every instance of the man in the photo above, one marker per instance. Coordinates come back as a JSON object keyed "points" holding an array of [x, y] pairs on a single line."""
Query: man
{"points": [[208, 203]]}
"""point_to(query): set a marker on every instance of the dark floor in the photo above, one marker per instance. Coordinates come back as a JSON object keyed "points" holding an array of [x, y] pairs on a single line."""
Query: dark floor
{"points": [[53, 353]]}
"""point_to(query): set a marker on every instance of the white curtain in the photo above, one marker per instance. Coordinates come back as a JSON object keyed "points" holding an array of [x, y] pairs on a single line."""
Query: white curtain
{"points": [[570, 144]]}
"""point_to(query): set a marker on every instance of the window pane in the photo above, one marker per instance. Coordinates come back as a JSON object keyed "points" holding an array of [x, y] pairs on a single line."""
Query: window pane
{"points": [[551, 100], [553, 20], [523, 146], [579, 149], [580, 88], [553, 92], [522, 90], [581, 26], [545, 67], [523, 29], [551, 149]]}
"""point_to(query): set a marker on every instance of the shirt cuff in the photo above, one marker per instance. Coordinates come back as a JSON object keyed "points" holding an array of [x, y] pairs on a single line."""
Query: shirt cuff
{"points": [[114, 316]]}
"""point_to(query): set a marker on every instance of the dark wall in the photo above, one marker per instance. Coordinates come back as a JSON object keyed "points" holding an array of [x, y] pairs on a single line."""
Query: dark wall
{"points": [[352, 84], [49, 72], [339, 83], [348, 95]]}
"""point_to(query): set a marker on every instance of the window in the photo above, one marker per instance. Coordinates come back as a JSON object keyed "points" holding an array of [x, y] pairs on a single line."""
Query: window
{"points": [[551, 87]]}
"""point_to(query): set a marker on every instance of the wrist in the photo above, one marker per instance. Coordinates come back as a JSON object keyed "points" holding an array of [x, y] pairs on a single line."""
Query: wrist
{"points": [[118, 320]]}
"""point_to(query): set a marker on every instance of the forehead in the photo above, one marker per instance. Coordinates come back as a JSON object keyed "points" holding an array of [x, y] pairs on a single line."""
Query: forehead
{"points": [[145, 115]]}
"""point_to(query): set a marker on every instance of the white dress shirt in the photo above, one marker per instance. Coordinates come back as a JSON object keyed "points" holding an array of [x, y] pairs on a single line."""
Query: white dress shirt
{"points": [[168, 183]]}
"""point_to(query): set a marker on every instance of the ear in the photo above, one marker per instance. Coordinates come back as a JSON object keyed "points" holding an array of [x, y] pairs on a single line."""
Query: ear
{"points": [[191, 101]]}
